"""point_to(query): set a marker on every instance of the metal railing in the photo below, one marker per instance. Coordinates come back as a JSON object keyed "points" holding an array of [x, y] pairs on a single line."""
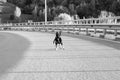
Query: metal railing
{"points": [[91, 21], [81, 25]]}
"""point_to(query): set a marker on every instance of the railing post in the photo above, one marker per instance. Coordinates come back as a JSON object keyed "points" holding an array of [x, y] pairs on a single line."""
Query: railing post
{"points": [[87, 21], [115, 21], [95, 21], [86, 31], [79, 29], [115, 32], [53, 28], [95, 31], [68, 29], [91, 21], [77, 22], [74, 29], [104, 32]]}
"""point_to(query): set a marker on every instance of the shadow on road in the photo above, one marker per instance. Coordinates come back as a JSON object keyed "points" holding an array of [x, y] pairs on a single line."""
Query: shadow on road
{"points": [[12, 48]]}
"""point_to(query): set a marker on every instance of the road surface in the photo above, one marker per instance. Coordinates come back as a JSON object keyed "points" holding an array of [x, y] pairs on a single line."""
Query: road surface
{"points": [[31, 56]]}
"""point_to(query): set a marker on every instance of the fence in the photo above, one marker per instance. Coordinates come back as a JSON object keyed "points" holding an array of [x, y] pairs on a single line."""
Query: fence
{"points": [[88, 26], [99, 21]]}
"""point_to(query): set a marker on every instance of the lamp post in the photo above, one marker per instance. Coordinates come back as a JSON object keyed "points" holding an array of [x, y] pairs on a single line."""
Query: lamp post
{"points": [[45, 12]]}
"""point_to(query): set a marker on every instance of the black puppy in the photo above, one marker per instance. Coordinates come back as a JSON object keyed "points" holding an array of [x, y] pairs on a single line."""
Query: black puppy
{"points": [[58, 40]]}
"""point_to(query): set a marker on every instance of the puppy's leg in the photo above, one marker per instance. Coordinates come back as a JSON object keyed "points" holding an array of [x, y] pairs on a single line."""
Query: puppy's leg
{"points": [[59, 46], [62, 47], [56, 47]]}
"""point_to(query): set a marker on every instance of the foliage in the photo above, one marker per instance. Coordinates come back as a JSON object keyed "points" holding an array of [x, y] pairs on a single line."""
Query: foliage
{"points": [[84, 8]]}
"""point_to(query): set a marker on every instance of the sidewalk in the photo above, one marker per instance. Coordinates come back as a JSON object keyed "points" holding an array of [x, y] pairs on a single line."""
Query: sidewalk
{"points": [[81, 60]]}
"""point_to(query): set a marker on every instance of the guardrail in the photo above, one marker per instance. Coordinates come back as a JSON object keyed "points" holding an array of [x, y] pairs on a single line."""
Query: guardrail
{"points": [[102, 26], [111, 20]]}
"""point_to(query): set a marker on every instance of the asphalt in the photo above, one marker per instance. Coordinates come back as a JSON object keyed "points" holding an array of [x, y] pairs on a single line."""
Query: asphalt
{"points": [[32, 56], [12, 48]]}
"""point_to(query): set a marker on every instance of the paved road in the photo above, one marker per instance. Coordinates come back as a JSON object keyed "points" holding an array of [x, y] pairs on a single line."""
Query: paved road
{"points": [[34, 58]]}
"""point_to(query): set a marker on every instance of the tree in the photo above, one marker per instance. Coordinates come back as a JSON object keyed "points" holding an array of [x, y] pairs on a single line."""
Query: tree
{"points": [[83, 10], [115, 8], [64, 3], [60, 9], [93, 8], [57, 2], [28, 2], [72, 9], [50, 3]]}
